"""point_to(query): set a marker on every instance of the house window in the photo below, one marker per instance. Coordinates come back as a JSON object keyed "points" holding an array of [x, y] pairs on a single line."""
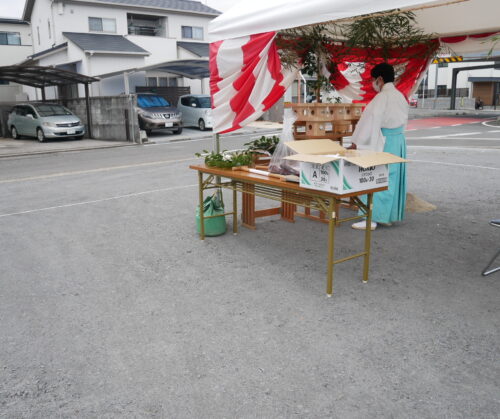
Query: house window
{"points": [[50, 32], [441, 65], [442, 90], [152, 82], [98, 24], [38, 34], [10, 38], [192, 32], [168, 81], [4, 82]]}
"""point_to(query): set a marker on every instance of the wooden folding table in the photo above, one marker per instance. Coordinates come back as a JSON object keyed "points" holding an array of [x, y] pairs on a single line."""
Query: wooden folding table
{"points": [[290, 195]]}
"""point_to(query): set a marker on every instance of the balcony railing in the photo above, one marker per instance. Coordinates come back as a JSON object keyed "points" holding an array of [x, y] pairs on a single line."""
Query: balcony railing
{"points": [[144, 30]]}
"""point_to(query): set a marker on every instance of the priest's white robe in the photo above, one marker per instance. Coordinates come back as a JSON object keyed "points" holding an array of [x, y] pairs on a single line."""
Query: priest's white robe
{"points": [[388, 109]]}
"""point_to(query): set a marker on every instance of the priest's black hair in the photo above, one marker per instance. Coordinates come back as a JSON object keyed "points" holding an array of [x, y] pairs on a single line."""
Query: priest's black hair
{"points": [[384, 70]]}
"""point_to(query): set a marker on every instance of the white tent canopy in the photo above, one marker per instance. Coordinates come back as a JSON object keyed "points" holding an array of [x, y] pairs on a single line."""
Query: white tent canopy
{"points": [[451, 17], [246, 73]]}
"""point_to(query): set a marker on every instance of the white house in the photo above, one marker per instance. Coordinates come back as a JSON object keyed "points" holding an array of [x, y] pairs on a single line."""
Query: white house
{"points": [[15, 46], [104, 38]]}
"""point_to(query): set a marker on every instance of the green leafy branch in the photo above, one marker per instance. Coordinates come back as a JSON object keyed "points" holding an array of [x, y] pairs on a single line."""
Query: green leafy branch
{"points": [[226, 159], [263, 144]]}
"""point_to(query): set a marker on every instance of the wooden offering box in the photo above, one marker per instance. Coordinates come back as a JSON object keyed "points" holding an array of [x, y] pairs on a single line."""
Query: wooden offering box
{"points": [[325, 120]]}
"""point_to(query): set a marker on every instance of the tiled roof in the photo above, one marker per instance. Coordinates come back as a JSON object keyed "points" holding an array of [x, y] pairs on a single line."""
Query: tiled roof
{"points": [[198, 48], [180, 5], [46, 51], [13, 21], [184, 5], [104, 43]]}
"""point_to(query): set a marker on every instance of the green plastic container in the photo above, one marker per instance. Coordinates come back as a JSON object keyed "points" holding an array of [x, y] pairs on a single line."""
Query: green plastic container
{"points": [[213, 226]]}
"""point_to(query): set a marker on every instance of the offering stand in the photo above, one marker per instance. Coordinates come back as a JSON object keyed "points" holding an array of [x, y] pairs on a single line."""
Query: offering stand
{"points": [[333, 121]]}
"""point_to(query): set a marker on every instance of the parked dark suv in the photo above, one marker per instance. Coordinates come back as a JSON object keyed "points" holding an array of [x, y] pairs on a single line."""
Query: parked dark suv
{"points": [[155, 112]]}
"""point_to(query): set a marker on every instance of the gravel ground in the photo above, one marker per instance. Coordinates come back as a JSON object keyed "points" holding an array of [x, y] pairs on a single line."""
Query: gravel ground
{"points": [[114, 308]]}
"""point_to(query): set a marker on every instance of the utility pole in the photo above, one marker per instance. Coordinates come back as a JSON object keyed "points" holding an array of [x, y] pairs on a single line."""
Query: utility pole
{"points": [[436, 85]]}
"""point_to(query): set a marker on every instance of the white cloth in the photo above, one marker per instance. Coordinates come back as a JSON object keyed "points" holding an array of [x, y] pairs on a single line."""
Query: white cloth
{"points": [[388, 109]]}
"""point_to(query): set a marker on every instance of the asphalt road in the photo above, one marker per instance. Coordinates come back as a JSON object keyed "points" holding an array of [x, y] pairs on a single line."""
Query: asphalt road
{"points": [[110, 306]]}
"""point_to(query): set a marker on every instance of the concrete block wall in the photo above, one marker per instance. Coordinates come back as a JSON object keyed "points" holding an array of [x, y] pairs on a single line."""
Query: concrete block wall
{"points": [[444, 103], [109, 116], [5, 109], [275, 113]]}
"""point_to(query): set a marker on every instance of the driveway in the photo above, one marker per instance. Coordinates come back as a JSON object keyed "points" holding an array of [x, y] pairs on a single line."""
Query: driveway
{"points": [[111, 306], [10, 147]]}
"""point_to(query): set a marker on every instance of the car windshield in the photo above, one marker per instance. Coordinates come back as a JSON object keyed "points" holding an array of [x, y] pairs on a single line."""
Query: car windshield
{"points": [[52, 110], [205, 102], [151, 101]]}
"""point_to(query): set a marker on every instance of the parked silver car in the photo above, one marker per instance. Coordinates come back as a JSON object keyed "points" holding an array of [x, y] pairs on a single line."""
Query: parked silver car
{"points": [[196, 111], [44, 120], [156, 112]]}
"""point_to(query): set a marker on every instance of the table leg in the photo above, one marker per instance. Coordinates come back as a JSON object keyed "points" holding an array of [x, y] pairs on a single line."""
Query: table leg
{"points": [[287, 209], [235, 210], [201, 212], [248, 206], [368, 235], [332, 217]]}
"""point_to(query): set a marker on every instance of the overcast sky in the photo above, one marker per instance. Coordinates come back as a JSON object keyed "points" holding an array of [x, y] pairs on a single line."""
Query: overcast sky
{"points": [[14, 8]]}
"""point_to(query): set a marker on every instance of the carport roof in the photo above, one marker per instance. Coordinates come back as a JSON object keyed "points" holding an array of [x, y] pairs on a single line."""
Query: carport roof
{"points": [[192, 69], [37, 76]]}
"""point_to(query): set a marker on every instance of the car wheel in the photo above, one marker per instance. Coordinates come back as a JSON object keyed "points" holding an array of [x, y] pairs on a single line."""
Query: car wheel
{"points": [[14, 133], [178, 131], [40, 135], [201, 125], [148, 132]]}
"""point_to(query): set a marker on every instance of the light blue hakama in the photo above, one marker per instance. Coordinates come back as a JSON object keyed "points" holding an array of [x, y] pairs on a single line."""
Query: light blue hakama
{"points": [[389, 205]]}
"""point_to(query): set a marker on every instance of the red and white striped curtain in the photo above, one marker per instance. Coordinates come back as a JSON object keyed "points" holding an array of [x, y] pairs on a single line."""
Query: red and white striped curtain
{"points": [[352, 79], [247, 76], [246, 79]]}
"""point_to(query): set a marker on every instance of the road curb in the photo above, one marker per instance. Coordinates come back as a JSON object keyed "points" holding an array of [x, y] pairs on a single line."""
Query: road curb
{"points": [[33, 153], [209, 137]]}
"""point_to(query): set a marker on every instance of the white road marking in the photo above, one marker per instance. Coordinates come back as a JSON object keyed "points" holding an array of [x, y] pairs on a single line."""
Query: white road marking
{"points": [[449, 135], [462, 134], [434, 127], [99, 200], [485, 123], [444, 138], [223, 138], [455, 125], [102, 169], [469, 149], [494, 131], [456, 164]]}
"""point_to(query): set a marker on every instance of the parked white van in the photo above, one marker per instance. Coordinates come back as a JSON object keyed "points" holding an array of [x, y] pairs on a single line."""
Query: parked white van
{"points": [[196, 111]]}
